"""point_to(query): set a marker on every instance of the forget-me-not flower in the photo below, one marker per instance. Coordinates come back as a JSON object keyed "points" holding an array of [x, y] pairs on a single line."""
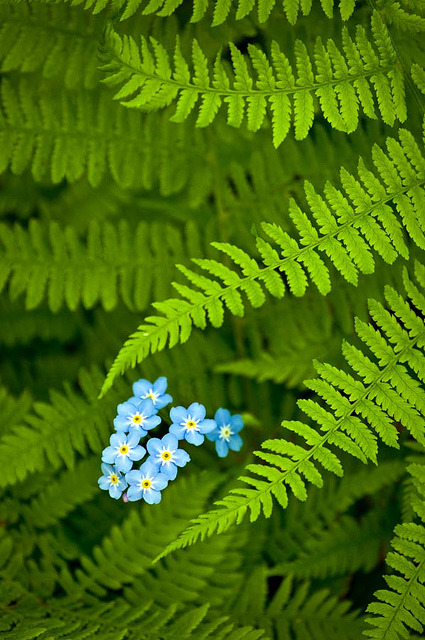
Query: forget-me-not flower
{"points": [[123, 451], [112, 480], [166, 455], [146, 483], [137, 416], [226, 435], [190, 423], [143, 389]]}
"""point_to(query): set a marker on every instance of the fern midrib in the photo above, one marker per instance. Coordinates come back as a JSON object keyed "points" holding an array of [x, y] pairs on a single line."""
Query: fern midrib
{"points": [[323, 440], [310, 247], [380, 70], [403, 596]]}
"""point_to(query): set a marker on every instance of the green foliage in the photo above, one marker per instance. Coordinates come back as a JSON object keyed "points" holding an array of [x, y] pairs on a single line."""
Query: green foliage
{"points": [[54, 263], [400, 607], [117, 163], [353, 224], [342, 82], [358, 410]]}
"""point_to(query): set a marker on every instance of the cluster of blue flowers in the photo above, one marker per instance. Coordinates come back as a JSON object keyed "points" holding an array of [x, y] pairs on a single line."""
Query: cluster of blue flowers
{"points": [[135, 418]]}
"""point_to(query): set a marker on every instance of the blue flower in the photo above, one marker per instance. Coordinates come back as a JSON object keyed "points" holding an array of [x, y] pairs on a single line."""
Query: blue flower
{"points": [[123, 451], [190, 423], [112, 480], [166, 456], [136, 417], [225, 435], [146, 483], [143, 389]]}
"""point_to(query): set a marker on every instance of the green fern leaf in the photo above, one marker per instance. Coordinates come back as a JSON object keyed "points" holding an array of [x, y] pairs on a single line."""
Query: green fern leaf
{"points": [[342, 81], [358, 410], [351, 226]]}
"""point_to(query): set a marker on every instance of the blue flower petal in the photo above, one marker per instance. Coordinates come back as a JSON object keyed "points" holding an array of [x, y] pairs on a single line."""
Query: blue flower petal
{"points": [[126, 408], [146, 407], [170, 442], [133, 477], [222, 417], [154, 446], [151, 423], [141, 387], [121, 423], [148, 469], [123, 463], [213, 435], [162, 401], [160, 481], [122, 484], [197, 411], [134, 493], [221, 448], [160, 385], [133, 439], [168, 469], [178, 431], [181, 457], [103, 482], [207, 426], [109, 454], [151, 496], [107, 469], [116, 439], [194, 437], [137, 453], [178, 414], [114, 492], [235, 443], [237, 423]]}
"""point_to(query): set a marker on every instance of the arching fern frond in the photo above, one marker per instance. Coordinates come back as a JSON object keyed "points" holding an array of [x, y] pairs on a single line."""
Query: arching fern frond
{"points": [[341, 79], [60, 134], [111, 261], [355, 411], [57, 40], [222, 8], [352, 225], [401, 607]]}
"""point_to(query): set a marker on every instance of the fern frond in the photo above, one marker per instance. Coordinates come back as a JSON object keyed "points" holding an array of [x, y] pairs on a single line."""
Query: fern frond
{"points": [[57, 40], [408, 15], [110, 262], [341, 79], [292, 9], [325, 554], [69, 134], [400, 608], [55, 433], [352, 225], [356, 411]]}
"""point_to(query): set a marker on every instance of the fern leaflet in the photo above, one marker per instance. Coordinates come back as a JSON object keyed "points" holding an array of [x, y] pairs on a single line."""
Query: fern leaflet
{"points": [[351, 226], [342, 82], [358, 410], [401, 606]]}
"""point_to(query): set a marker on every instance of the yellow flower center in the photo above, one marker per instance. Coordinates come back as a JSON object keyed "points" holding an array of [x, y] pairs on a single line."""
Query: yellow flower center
{"points": [[190, 424], [166, 455], [146, 483], [137, 419], [225, 432], [124, 449], [113, 478], [151, 395]]}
